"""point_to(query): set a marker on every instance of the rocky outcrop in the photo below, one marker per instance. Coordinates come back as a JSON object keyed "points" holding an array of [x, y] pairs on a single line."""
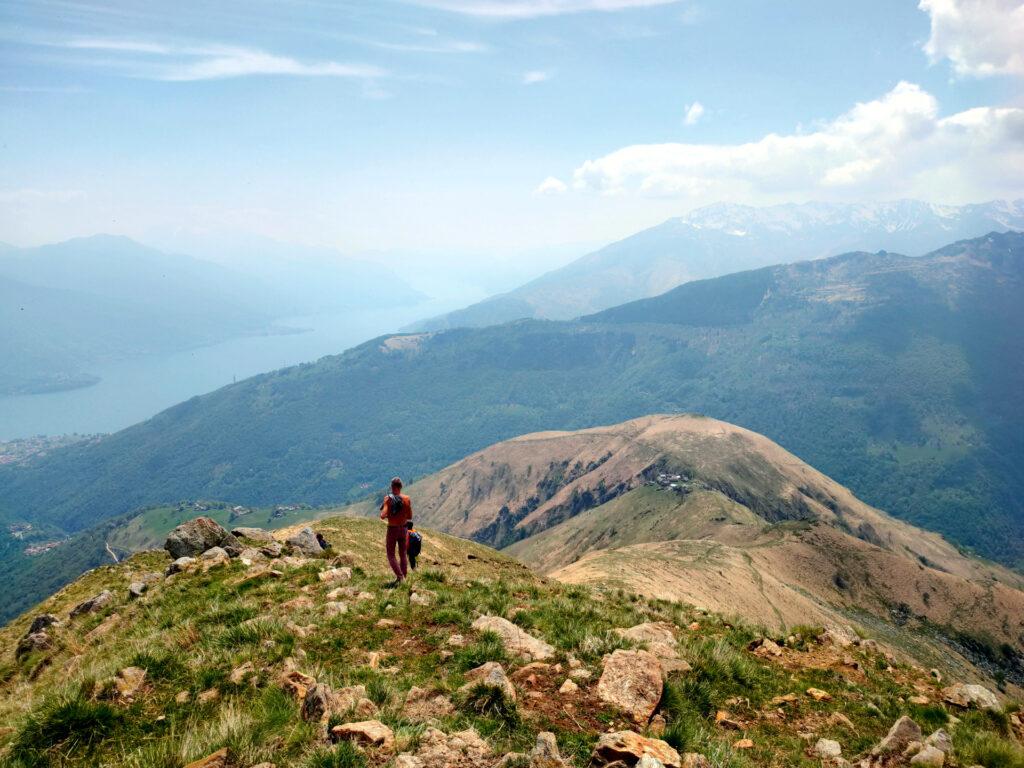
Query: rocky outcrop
{"points": [[631, 682], [196, 536], [515, 640], [629, 747]]}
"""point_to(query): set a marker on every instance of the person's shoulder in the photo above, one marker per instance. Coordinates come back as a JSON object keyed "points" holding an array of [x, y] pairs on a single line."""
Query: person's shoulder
{"points": [[405, 497]]}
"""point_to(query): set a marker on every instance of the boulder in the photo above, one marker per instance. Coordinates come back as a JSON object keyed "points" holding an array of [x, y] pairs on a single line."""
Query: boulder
{"points": [[137, 589], [491, 674], [181, 565], [128, 682], [827, 749], [196, 536], [93, 604], [253, 534], [966, 696], [629, 747], [929, 757], [515, 639], [218, 759], [33, 641], [272, 550], [371, 733], [41, 622], [631, 682], [650, 632], [545, 752], [305, 541], [940, 740], [903, 732]]}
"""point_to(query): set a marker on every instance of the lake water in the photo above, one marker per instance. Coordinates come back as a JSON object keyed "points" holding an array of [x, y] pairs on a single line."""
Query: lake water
{"points": [[133, 390]]}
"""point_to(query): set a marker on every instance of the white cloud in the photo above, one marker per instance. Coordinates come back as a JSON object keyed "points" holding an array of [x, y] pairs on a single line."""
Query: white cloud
{"points": [[694, 112], [895, 145], [535, 76], [531, 9], [979, 37], [214, 61], [551, 186]]}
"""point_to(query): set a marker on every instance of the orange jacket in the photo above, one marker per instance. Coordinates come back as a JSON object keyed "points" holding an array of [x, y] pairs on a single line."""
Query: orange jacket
{"points": [[398, 521]]}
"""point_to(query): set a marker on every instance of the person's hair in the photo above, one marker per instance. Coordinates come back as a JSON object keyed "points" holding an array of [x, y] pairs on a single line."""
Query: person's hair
{"points": [[396, 482], [409, 525]]}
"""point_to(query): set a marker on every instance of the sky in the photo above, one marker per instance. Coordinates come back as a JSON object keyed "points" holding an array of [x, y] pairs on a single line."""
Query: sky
{"points": [[491, 126]]}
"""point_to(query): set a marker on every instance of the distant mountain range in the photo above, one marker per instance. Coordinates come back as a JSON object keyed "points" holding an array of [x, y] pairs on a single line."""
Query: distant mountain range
{"points": [[71, 306], [721, 239], [900, 377]]}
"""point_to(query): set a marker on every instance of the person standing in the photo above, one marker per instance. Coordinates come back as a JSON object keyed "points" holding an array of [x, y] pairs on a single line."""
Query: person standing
{"points": [[396, 509]]}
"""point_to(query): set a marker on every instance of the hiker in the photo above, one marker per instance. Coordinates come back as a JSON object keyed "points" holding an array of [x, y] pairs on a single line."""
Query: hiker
{"points": [[323, 542], [414, 543], [397, 510]]}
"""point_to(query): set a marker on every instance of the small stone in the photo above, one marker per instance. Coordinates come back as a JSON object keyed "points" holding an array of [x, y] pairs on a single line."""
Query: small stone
{"points": [[456, 641], [579, 674], [420, 598], [767, 648], [209, 695], [33, 641], [629, 747], [218, 759], [838, 718], [181, 565], [743, 744], [272, 550], [197, 536], [128, 682], [241, 673], [695, 760], [515, 640], [253, 534], [386, 624], [137, 589], [182, 697], [490, 674], [940, 740], [903, 732], [545, 752], [332, 609], [371, 733], [936, 675], [103, 627], [819, 695], [305, 542], [568, 688], [827, 749], [723, 720], [334, 575], [786, 698], [694, 627], [919, 700], [965, 695], [650, 632], [929, 757]]}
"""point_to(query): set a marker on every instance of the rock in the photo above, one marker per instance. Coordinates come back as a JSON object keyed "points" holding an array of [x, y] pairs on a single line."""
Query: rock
{"points": [[462, 749], [420, 598], [649, 762], [629, 747], [838, 718], [421, 704], [456, 641], [936, 675], [940, 740], [93, 604], [819, 695], [903, 732], [250, 555], [545, 752], [531, 670], [272, 550], [371, 733], [632, 682], [568, 688], [723, 720], [490, 674], [209, 695], [103, 627], [786, 698], [198, 535], [128, 682], [181, 565], [253, 534], [41, 622], [242, 672], [296, 683], [515, 639], [213, 557], [966, 695], [743, 744], [137, 589], [320, 702], [218, 759], [299, 603], [334, 608], [695, 760], [827, 749], [386, 624], [767, 648], [365, 708], [658, 725], [334, 575], [182, 697], [919, 700], [305, 541], [33, 641], [841, 637], [929, 757], [650, 632], [669, 658], [579, 674]]}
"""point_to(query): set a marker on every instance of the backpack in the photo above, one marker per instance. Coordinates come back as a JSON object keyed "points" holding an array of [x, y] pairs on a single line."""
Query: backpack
{"points": [[395, 507], [415, 543]]}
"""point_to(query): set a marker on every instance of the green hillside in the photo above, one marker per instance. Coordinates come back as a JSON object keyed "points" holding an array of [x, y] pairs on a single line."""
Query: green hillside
{"points": [[899, 377], [258, 663]]}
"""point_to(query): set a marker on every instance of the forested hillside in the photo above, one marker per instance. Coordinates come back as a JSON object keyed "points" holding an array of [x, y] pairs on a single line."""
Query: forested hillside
{"points": [[895, 376]]}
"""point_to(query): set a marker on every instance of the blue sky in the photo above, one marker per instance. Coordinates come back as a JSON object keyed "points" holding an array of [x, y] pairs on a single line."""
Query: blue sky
{"points": [[479, 125]]}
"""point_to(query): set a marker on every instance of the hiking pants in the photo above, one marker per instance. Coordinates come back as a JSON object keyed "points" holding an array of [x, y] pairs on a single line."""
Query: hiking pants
{"points": [[397, 537]]}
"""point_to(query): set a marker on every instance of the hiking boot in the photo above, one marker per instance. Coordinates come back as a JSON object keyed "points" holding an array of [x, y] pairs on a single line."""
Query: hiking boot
{"points": [[393, 584]]}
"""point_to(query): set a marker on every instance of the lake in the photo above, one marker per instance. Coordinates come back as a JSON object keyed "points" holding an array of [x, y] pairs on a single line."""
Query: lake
{"points": [[133, 390]]}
